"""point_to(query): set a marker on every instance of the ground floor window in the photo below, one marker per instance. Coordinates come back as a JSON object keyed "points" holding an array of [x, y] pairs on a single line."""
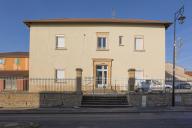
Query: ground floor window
{"points": [[60, 75], [139, 74], [10, 84]]}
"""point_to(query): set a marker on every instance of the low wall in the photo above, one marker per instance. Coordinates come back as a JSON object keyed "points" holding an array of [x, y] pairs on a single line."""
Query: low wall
{"points": [[152, 100], [44, 99], [37, 100]]}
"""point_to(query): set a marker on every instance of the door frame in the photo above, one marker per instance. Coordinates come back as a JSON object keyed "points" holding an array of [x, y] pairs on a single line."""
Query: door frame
{"points": [[102, 61]]}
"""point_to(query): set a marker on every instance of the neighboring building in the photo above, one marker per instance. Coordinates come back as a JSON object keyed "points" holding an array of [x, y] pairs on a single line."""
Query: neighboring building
{"points": [[188, 73], [103, 48], [14, 71], [14, 61], [180, 73]]}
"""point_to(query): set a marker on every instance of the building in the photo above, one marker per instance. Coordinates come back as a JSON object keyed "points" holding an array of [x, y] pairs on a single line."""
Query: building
{"points": [[14, 71], [105, 49], [14, 61], [188, 73], [180, 73]]}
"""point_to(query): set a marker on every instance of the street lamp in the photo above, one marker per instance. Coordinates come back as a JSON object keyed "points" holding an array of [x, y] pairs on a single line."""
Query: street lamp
{"points": [[180, 18]]}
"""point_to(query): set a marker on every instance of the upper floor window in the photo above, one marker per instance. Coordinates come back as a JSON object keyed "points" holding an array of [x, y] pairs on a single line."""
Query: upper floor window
{"points": [[102, 43], [139, 43], [2, 61], [60, 42], [102, 40], [120, 40], [17, 61]]}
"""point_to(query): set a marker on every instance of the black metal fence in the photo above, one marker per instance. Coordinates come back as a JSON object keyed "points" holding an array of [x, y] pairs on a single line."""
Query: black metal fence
{"points": [[94, 86]]}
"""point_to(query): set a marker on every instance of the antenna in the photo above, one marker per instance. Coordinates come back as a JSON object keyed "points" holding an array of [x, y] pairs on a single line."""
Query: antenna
{"points": [[113, 13]]}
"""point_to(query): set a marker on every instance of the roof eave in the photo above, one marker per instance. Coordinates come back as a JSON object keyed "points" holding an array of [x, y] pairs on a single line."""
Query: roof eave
{"points": [[28, 23]]}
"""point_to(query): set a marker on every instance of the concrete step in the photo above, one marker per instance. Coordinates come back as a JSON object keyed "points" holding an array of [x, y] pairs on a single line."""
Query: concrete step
{"points": [[104, 100], [97, 97], [96, 103], [105, 106]]}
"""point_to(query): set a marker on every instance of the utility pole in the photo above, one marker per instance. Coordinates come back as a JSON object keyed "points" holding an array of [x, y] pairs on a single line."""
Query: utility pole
{"points": [[178, 16]]}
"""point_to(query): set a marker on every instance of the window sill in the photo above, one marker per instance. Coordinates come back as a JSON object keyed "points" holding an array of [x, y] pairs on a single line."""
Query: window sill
{"points": [[102, 49], [60, 48], [140, 50]]}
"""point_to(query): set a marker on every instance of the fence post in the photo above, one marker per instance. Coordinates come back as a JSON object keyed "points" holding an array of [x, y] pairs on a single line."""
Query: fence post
{"points": [[78, 80], [131, 81]]}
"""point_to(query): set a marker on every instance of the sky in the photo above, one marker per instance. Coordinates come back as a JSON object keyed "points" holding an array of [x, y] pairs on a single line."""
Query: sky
{"points": [[14, 35]]}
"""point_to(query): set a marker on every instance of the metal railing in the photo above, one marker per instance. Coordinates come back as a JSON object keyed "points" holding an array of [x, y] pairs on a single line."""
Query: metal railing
{"points": [[90, 85], [181, 86], [37, 84], [162, 86], [104, 85], [121, 85], [52, 85]]}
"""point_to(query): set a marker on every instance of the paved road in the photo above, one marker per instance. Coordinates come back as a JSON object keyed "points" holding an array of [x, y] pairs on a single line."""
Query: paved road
{"points": [[128, 120]]}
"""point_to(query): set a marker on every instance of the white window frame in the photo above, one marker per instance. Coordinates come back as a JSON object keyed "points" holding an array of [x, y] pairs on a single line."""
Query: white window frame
{"points": [[63, 46], [56, 75], [106, 45], [139, 37]]}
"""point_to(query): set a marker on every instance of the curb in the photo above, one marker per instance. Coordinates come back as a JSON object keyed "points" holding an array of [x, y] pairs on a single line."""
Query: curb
{"points": [[91, 112]]}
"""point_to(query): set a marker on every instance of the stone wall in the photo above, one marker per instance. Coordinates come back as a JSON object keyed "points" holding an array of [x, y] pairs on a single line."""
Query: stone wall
{"points": [[159, 99], [183, 99], [60, 99], [36, 100], [44, 99]]}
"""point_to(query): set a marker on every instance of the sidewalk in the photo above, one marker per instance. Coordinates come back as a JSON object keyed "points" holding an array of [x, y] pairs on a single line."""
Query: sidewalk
{"points": [[77, 110]]}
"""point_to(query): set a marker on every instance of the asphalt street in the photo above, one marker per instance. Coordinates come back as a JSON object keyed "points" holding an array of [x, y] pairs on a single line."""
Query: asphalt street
{"points": [[113, 120]]}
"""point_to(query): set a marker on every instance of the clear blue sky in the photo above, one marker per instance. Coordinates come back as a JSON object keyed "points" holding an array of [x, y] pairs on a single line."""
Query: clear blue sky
{"points": [[14, 35]]}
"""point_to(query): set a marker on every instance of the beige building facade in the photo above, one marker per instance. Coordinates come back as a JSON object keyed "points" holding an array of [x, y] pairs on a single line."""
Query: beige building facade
{"points": [[105, 48]]}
